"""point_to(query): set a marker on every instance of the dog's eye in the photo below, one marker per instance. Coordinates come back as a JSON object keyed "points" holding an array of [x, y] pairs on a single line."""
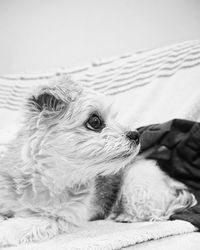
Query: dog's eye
{"points": [[94, 123]]}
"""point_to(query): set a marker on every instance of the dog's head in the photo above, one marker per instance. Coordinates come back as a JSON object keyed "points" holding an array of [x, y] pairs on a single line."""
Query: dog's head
{"points": [[73, 134]]}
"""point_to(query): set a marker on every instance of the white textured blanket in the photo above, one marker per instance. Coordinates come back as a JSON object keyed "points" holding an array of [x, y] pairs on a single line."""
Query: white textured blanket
{"points": [[148, 87], [110, 235]]}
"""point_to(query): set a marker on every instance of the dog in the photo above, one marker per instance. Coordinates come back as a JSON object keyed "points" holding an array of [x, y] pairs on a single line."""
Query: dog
{"points": [[73, 162]]}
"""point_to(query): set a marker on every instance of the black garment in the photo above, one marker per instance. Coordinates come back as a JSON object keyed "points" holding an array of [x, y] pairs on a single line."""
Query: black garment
{"points": [[176, 147]]}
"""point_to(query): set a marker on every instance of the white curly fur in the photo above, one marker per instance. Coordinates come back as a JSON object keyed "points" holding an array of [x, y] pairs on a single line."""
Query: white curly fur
{"points": [[47, 176], [148, 194]]}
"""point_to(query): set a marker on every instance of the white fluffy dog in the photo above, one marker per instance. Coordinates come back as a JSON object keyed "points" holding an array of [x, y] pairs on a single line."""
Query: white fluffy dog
{"points": [[73, 162]]}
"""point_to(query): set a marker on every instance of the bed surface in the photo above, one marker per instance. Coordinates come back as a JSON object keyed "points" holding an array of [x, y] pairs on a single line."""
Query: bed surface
{"points": [[147, 87]]}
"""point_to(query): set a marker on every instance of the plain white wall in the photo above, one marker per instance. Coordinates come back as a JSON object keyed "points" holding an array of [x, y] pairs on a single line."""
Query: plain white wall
{"points": [[46, 34]]}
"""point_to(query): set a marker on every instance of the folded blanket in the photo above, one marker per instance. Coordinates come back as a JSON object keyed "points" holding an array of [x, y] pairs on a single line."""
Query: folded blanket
{"points": [[148, 87]]}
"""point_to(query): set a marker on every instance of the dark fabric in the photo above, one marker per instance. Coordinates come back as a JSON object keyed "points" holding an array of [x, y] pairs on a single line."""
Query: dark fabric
{"points": [[176, 147]]}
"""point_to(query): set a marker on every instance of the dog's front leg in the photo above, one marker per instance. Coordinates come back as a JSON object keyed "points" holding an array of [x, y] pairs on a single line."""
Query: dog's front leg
{"points": [[15, 231]]}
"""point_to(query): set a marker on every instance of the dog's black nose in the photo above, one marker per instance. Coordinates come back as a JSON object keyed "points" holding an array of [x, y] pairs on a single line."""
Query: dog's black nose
{"points": [[133, 136]]}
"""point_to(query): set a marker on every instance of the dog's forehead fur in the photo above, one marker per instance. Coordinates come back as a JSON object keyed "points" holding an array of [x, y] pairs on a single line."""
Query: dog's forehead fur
{"points": [[64, 102], [89, 102]]}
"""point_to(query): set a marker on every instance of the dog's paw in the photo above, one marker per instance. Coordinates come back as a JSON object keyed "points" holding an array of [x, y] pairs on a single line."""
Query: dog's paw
{"points": [[112, 216], [124, 218], [16, 231], [121, 217]]}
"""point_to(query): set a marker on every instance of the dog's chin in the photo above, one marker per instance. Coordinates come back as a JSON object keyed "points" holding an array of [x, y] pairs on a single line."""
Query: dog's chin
{"points": [[131, 156], [120, 161]]}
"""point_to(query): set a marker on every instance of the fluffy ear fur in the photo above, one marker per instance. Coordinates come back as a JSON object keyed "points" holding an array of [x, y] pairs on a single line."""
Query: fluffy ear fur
{"points": [[46, 101], [51, 101]]}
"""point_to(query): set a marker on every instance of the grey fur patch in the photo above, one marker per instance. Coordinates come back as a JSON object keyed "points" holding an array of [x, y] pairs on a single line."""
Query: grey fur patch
{"points": [[107, 190]]}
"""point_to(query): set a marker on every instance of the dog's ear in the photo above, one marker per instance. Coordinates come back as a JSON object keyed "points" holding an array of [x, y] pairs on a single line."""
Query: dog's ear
{"points": [[46, 108], [55, 96], [50, 103], [46, 102]]}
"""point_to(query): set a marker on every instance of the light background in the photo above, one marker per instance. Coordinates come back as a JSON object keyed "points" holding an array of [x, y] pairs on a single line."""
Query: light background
{"points": [[38, 35]]}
